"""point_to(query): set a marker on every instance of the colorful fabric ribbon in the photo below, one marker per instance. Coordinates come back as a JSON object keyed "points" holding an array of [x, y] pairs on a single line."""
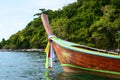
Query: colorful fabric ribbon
{"points": [[49, 55]]}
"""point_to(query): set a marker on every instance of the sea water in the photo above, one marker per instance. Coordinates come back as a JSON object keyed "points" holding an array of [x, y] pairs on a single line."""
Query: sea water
{"points": [[31, 66]]}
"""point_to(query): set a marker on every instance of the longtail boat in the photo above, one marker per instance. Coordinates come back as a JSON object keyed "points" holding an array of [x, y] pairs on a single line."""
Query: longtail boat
{"points": [[76, 58]]}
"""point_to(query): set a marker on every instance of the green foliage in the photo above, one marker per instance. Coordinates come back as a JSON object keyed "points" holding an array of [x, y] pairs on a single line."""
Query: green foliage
{"points": [[89, 22], [33, 36], [3, 43], [41, 11], [117, 36]]}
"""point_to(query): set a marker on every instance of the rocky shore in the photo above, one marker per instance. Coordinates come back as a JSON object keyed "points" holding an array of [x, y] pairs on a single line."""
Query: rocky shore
{"points": [[23, 50]]}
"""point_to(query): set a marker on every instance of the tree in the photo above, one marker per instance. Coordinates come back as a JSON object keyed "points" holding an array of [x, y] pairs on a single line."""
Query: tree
{"points": [[3, 43], [41, 11], [89, 22], [118, 39]]}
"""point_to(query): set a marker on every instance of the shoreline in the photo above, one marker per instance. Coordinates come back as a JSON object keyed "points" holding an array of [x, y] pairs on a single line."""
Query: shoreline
{"points": [[23, 50]]}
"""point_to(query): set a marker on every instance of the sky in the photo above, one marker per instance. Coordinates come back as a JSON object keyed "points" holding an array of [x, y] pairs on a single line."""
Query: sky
{"points": [[16, 14]]}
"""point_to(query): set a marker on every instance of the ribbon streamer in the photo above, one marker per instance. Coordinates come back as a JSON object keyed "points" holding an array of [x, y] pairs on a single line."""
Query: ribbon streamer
{"points": [[50, 54]]}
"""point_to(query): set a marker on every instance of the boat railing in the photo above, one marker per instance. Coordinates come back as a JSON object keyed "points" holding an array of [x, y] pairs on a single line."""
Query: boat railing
{"points": [[95, 49]]}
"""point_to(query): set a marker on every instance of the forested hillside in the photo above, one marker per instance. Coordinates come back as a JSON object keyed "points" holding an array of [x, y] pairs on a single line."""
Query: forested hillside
{"points": [[94, 23]]}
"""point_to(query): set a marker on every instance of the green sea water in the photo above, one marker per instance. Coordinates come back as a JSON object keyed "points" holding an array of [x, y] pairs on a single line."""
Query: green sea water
{"points": [[31, 66]]}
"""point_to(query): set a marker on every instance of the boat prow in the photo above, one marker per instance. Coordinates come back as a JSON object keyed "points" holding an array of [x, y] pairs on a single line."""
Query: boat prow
{"points": [[76, 58]]}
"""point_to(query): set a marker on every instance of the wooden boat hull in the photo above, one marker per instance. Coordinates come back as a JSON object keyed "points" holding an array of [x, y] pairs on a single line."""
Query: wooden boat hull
{"points": [[76, 61], [76, 58]]}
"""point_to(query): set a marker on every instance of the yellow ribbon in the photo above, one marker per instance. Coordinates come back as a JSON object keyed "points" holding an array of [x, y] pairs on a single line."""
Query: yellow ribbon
{"points": [[47, 49]]}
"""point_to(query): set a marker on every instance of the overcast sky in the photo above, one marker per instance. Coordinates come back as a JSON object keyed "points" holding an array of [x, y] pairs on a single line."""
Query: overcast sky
{"points": [[16, 14]]}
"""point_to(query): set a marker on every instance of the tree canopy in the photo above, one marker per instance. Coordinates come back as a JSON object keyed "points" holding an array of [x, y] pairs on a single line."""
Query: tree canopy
{"points": [[92, 23]]}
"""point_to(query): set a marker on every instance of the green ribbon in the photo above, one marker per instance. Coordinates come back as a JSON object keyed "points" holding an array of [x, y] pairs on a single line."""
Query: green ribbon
{"points": [[88, 69]]}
